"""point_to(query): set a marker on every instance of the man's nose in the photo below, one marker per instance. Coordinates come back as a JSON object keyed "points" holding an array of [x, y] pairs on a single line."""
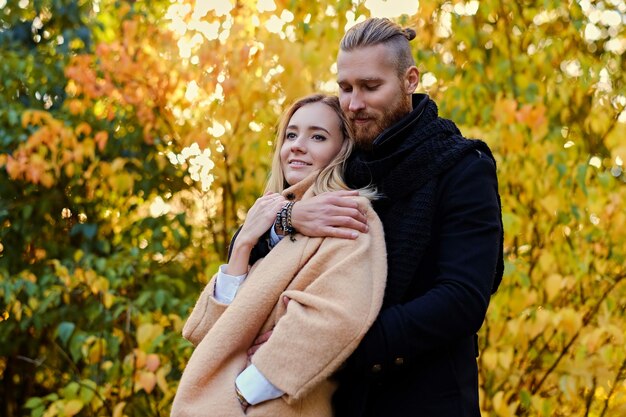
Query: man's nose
{"points": [[356, 102]]}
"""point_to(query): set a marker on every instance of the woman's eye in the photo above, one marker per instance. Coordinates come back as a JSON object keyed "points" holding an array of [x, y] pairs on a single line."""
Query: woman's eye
{"points": [[290, 135], [319, 137]]}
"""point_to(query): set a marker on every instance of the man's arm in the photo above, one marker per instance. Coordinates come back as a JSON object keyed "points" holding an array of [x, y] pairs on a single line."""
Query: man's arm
{"points": [[455, 307], [331, 214]]}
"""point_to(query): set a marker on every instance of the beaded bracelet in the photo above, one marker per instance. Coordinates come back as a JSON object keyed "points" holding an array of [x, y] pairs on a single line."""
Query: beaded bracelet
{"points": [[283, 220]]}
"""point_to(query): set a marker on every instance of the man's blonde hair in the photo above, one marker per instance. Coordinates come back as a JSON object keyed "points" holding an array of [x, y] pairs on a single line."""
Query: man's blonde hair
{"points": [[376, 31], [330, 178]]}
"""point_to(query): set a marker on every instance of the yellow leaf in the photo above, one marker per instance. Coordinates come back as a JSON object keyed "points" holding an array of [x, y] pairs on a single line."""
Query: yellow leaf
{"points": [[592, 340], [119, 409], [553, 285], [107, 300], [538, 325], [99, 285], [489, 358], [72, 407], [146, 333], [568, 320], [551, 203], [506, 111], [505, 358], [162, 377], [547, 261]]}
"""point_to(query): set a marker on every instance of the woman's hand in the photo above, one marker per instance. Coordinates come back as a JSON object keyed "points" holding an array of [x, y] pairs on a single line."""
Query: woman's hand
{"points": [[259, 219]]}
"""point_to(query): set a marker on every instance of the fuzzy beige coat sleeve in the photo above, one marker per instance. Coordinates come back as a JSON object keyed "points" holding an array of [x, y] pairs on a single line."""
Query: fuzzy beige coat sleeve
{"points": [[326, 320], [204, 314]]}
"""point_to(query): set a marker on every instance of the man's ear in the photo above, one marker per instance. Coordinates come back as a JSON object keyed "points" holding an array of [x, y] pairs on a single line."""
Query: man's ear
{"points": [[411, 79]]}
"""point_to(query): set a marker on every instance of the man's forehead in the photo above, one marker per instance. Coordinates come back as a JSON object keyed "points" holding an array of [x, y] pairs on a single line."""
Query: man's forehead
{"points": [[364, 64]]}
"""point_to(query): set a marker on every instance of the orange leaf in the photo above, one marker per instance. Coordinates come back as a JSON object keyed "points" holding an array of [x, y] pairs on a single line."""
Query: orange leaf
{"points": [[147, 381], [152, 362], [101, 139], [83, 129]]}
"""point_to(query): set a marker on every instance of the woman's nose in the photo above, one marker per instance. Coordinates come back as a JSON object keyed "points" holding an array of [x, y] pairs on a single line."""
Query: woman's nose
{"points": [[298, 145]]}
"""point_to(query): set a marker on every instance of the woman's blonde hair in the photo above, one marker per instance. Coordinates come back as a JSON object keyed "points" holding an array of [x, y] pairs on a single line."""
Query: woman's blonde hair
{"points": [[330, 178]]}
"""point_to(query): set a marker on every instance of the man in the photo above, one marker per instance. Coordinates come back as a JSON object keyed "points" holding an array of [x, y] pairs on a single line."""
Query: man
{"points": [[442, 219], [443, 230]]}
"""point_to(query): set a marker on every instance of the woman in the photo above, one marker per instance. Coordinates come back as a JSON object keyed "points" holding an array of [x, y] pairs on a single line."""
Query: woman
{"points": [[319, 295]]}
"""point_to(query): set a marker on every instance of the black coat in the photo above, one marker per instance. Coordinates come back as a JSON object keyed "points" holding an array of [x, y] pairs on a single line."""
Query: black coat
{"points": [[419, 358]]}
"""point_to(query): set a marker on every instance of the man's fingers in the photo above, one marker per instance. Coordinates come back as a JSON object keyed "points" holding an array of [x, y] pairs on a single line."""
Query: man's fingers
{"points": [[352, 213], [342, 201], [341, 233], [345, 193], [350, 223]]}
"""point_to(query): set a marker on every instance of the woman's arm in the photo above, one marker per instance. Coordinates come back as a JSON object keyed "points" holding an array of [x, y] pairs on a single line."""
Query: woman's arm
{"points": [[259, 219], [324, 322], [208, 309]]}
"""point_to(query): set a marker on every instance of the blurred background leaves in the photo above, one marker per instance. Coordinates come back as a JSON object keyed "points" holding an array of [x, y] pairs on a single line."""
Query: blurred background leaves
{"points": [[134, 135]]}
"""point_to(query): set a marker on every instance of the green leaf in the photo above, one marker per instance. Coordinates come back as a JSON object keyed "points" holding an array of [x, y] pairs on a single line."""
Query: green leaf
{"points": [[33, 402], [88, 230], [65, 331]]}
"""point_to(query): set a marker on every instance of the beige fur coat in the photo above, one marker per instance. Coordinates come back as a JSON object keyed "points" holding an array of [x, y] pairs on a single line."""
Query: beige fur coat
{"points": [[336, 288]]}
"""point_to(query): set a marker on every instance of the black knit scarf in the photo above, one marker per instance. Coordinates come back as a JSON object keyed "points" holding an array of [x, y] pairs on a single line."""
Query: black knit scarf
{"points": [[404, 164]]}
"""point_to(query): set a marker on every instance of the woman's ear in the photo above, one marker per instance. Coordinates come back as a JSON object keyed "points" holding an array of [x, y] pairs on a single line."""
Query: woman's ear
{"points": [[411, 79]]}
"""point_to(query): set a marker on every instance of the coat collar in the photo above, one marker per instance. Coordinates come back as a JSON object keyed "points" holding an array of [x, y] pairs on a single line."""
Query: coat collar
{"points": [[297, 191]]}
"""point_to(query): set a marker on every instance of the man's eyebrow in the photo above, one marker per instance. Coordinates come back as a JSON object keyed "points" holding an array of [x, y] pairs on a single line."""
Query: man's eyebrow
{"points": [[362, 80]]}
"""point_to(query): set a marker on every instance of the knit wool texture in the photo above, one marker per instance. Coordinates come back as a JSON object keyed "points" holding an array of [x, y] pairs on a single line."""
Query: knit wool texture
{"points": [[405, 168]]}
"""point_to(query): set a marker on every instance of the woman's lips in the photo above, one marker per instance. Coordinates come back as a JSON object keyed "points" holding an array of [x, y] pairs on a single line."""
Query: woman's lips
{"points": [[298, 164]]}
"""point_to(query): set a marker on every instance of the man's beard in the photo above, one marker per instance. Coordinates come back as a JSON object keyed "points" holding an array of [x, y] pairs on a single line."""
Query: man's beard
{"points": [[365, 135]]}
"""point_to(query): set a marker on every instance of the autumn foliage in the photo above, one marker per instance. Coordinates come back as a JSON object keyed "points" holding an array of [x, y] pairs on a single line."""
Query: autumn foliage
{"points": [[135, 135]]}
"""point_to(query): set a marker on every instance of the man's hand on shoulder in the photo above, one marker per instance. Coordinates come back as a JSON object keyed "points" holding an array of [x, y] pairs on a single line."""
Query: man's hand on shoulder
{"points": [[331, 214]]}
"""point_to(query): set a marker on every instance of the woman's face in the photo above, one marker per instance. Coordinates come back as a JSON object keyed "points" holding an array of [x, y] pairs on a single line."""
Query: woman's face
{"points": [[312, 139]]}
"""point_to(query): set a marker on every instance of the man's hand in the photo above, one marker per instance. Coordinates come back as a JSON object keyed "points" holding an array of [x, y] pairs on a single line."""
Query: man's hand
{"points": [[331, 214]]}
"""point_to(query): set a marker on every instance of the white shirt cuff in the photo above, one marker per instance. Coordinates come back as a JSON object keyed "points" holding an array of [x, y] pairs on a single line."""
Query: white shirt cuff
{"points": [[255, 388], [274, 237], [226, 286]]}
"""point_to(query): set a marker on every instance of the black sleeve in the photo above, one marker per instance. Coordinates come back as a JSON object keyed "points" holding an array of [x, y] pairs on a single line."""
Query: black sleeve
{"points": [[455, 306], [260, 250]]}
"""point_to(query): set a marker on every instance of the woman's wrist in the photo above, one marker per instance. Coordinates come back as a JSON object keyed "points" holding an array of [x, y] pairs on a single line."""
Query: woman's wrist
{"points": [[239, 258]]}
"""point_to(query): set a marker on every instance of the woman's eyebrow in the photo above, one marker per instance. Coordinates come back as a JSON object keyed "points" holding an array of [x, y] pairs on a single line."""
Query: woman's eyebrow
{"points": [[292, 127]]}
